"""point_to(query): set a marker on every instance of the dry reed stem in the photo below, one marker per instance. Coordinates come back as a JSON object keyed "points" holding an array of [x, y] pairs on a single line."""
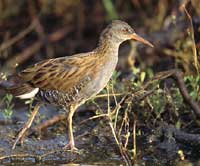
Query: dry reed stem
{"points": [[36, 157], [18, 37], [196, 63], [134, 140], [120, 146], [30, 51]]}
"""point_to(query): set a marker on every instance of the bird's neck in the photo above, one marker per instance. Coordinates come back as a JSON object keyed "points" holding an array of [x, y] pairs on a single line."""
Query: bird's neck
{"points": [[107, 47]]}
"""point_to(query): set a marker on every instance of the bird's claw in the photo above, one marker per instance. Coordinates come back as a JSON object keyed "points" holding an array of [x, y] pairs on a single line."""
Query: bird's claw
{"points": [[71, 147]]}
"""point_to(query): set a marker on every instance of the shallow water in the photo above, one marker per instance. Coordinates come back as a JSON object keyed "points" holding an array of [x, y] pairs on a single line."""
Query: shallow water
{"points": [[93, 139], [47, 148]]}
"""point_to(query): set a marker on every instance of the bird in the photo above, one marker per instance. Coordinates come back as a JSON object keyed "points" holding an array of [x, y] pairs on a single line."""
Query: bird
{"points": [[72, 80]]}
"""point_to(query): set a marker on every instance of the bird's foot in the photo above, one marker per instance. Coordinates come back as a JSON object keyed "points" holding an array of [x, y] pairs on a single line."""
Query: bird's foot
{"points": [[71, 147], [20, 139]]}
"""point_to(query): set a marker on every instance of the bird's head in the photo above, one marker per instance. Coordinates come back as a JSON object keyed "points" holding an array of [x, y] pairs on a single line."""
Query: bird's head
{"points": [[120, 31]]}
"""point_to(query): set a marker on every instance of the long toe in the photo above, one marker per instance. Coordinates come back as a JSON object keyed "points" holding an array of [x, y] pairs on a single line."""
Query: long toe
{"points": [[71, 148]]}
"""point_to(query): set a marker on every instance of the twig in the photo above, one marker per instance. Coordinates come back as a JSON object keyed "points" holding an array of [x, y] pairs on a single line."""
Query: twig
{"points": [[36, 157], [120, 146], [134, 140], [178, 75], [94, 117], [18, 37], [122, 151], [39, 28], [19, 156], [181, 136], [50, 122], [196, 63], [106, 95], [31, 50]]}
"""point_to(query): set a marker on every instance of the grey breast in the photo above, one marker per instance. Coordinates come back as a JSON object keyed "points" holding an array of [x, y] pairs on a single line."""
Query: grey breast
{"points": [[102, 77]]}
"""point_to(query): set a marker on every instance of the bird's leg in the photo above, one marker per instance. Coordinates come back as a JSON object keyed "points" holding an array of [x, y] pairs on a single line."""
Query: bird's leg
{"points": [[26, 126], [71, 144]]}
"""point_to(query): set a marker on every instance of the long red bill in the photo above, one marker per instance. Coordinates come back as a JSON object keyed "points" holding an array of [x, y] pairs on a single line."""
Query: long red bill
{"points": [[140, 39]]}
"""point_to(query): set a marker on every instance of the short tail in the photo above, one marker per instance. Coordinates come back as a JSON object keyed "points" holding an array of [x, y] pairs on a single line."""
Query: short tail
{"points": [[23, 91]]}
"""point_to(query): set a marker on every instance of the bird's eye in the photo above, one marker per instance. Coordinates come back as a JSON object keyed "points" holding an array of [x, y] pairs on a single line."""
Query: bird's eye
{"points": [[125, 30]]}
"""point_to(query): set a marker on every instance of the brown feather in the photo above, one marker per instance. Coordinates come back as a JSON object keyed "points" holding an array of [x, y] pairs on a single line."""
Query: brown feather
{"points": [[60, 74], [20, 90]]}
